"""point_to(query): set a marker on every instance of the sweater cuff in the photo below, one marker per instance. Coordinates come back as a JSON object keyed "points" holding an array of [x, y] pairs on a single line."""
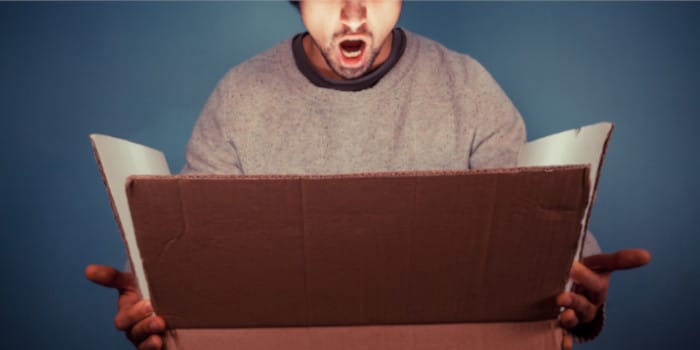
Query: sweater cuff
{"points": [[589, 331]]}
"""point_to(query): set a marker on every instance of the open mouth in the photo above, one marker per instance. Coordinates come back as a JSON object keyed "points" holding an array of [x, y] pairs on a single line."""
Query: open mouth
{"points": [[352, 49]]}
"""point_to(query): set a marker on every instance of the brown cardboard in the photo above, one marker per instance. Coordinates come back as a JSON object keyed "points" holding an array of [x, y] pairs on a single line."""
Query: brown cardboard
{"points": [[117, 159], [521, 335], [449, 260], [586, 145]]}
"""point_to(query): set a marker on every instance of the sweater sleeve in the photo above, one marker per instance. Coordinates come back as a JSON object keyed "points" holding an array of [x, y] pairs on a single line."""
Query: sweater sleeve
{"points": [[500, 133], [210, 149], [499, 128]]}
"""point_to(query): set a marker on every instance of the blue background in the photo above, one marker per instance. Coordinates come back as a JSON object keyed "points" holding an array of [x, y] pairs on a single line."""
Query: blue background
{"points": [[142, 71]]}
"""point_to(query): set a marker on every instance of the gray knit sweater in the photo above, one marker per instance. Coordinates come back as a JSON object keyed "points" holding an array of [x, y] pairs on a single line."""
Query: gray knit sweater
{"points": [[436, 109]]}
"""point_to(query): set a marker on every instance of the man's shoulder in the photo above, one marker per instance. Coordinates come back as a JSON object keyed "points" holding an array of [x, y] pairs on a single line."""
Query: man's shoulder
{"points": [[435, 58], [271, 64], [433, 49]]}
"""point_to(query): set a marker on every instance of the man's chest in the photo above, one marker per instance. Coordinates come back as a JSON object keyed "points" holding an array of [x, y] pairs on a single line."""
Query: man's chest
{"points": [[324, 139]]}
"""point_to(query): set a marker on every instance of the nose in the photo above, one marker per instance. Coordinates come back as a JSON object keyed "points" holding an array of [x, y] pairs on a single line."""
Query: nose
{"points": [[353, 14]]}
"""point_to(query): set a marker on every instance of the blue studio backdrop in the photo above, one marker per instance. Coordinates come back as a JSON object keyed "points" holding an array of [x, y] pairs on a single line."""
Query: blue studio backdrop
{"points": [[142, 71]]}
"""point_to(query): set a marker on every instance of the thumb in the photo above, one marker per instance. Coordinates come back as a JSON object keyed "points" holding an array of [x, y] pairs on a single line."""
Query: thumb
{"points": [[110, 277], [619, 260]]}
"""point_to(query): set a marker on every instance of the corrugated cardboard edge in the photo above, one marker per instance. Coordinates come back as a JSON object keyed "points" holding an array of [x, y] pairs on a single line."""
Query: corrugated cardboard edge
{"points": [[596, 326], [594, 190], [115, 212], [482, 336], [116, 159], [407, 173]]}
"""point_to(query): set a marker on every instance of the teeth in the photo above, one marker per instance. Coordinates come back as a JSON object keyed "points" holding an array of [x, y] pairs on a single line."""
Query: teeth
{"points": [[351, 54]]}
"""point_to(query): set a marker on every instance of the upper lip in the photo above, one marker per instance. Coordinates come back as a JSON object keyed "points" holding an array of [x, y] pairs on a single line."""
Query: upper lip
{"points": [[354, 37]]}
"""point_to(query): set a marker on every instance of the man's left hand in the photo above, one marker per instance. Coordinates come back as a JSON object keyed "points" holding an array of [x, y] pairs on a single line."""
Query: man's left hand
{"points": [[592, 278]]}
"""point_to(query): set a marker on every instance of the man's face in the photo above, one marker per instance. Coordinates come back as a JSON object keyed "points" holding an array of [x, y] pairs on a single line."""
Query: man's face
{"points": [[348, 38]]}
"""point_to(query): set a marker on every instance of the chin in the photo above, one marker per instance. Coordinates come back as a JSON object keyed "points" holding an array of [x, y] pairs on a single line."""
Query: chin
{"points": [[353, 73], [353, 70]]}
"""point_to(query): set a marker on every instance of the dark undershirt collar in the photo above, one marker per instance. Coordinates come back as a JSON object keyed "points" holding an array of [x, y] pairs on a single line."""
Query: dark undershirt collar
{"points": [[398, 46]]}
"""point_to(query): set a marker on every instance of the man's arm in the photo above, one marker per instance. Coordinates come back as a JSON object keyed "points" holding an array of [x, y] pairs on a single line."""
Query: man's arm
{"points": [[500, 135], [210, 149], [500, 129]]}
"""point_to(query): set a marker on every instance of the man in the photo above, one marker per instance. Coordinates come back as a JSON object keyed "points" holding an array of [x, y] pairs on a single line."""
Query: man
{"points": [[356, 94]]}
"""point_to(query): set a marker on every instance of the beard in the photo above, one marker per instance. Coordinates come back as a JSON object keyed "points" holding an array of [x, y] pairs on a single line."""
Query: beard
{"points": [[333, 54]]}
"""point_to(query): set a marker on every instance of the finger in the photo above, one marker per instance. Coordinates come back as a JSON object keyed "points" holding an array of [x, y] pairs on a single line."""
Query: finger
{"points": [[585, 310], [129, 316], [154, 342], [620, 260], [127, 298], [145, 328], [567, 343], [568, 319], [594, 284], [110, 277]]}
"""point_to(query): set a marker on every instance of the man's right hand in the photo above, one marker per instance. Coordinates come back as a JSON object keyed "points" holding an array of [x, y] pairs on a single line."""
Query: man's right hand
{"points": [[134, 316]]}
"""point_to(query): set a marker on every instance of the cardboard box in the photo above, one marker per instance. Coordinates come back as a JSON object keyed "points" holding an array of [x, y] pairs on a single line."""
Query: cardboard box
{"points": [[423, 260]]}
